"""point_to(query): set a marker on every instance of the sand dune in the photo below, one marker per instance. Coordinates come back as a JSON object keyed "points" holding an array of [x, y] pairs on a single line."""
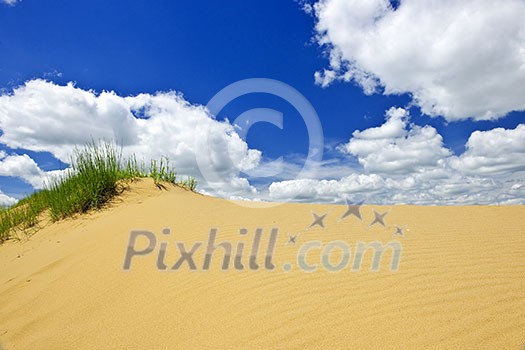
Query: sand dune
{"points": [[460, 282]]}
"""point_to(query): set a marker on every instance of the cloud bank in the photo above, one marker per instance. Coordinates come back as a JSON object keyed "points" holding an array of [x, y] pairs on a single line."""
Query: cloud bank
{"points": [[457, 58], [45, 117], [406, 163], [395, 162]]}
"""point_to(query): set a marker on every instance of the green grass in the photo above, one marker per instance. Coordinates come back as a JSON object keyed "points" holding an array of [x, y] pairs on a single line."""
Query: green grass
{"points": [[23, 215], [97, 174]]}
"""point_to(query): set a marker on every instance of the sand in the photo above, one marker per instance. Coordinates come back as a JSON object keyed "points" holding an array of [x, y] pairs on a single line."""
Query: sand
{"points": [[460, 282]]}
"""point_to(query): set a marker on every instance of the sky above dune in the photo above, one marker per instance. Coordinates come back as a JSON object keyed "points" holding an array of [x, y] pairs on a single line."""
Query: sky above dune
{"points": [[416, 101]]}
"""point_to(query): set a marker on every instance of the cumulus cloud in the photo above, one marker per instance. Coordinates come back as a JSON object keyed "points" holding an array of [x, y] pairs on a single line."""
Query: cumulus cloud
{"points": [[396, 147], [24, 167], [405, 163], [395, 162], [326, 190], [42, 116], [422, 189], [493, 152], [46, 117], [6, 201], [458, 58]]}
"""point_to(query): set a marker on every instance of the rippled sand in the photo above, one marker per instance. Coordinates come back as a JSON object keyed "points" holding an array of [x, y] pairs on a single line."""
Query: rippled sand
{"points": [[460, 283]]}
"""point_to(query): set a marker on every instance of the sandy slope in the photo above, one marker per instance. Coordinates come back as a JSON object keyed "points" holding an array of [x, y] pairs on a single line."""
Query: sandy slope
{"points": [[460, 284]]}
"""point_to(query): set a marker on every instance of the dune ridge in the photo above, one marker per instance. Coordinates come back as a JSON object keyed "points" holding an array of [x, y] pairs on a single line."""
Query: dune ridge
{"points": [[460, 283]]}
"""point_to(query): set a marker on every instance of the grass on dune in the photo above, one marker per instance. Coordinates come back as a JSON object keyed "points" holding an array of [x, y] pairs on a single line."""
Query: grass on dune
{"points": [[23, 215], [97, 174]]}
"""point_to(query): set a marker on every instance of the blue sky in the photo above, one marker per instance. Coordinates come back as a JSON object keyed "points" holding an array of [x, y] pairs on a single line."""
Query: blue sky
{"points": [[198, 48]]}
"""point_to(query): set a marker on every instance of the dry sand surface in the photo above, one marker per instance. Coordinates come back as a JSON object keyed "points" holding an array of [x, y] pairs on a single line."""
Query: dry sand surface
{"points": [[460, 282]]}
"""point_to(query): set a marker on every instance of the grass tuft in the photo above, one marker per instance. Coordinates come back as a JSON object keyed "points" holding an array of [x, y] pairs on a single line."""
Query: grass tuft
{"points": [[97, 173]]}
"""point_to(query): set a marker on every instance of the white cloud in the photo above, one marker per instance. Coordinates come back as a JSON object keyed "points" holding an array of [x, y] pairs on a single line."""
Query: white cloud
{"points": [[496, 151], [43, 116], [400, 162], [10, 2], [6, 201], [394, 148], [326, 190], [421, 188], [406, 163], [457, 58], [24, 167]]}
